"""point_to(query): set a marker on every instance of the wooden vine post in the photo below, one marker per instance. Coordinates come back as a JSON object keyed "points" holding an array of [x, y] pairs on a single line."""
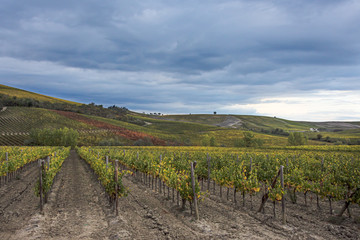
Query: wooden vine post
{"points": [[48, 162], [283, 198], [209, 166], [159, 174], [41, 165], [116, 189], [193, 165], [45, 168], [7, 166]]}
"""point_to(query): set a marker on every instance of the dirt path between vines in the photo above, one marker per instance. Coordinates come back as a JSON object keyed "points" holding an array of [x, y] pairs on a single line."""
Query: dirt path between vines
{"points": [[73, 210], [78, 209], [18, 201]]}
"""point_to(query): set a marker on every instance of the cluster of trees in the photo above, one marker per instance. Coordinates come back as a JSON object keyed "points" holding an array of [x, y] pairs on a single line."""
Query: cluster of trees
{"points": [[296, 139], [159, 114], [275, 131], [54, 137], [90, 109]]}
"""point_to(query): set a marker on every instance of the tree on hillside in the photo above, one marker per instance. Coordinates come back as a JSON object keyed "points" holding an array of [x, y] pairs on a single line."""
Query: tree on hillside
{"points": [[319, 136], [249, 140], [296, 139]]}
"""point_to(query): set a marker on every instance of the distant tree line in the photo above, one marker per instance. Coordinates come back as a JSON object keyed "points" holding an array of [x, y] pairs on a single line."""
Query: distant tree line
{"points": [[275, 131], [113, 112]]}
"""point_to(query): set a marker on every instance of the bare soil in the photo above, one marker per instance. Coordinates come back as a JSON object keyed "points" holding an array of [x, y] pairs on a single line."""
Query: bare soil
{"points": [[78, 209], [231, 121], [18, 201]]}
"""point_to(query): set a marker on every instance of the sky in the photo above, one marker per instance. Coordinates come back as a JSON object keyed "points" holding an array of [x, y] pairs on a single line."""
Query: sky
{"points": [[298, 60]]}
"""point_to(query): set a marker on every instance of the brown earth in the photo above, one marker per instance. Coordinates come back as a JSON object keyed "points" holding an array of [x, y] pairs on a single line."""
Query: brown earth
{"points": [[18, 201], [231, 122], [78, 209]]}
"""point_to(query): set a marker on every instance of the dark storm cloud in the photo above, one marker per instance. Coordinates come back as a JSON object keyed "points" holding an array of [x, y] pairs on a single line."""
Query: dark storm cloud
{"points": [[195, 54], [193, 38]]}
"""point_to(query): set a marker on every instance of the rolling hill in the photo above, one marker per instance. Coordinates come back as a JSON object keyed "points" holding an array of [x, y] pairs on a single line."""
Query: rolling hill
{"points": [[262, 122], [19, 93], [119, 126]]}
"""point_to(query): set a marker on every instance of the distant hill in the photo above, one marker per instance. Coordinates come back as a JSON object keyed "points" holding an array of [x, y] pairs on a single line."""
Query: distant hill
{"points": [[14, 97], [19, 93], [259, 123], [23, 111], [330, 132]]}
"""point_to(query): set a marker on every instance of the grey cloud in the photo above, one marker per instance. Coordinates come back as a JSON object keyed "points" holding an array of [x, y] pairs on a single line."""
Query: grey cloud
{"points": [[226, 52]]}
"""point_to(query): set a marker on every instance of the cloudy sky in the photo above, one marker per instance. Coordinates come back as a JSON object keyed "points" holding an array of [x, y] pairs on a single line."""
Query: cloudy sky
{"points": [[298, 59]]}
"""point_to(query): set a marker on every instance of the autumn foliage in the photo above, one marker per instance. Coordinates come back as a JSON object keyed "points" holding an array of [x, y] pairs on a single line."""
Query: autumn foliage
{"points": [[123, 132]]}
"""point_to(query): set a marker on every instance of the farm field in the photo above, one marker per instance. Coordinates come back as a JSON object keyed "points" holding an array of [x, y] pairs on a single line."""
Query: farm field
{"points": [[17, 123], [98, 125], [78, 206], [155, 187], [180, 120]]}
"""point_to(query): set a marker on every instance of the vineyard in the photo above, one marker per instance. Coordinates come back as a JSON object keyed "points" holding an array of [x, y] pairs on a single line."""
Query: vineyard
{"points": [[231, 191], [329, 174], [14, 159], [117, 126], [17, 122]]}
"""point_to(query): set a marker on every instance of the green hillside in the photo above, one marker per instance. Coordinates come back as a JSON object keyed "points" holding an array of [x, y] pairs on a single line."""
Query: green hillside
{"points": [[17, 123], [19, 93], [244, 121], [332, 132], [119, 126]]}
